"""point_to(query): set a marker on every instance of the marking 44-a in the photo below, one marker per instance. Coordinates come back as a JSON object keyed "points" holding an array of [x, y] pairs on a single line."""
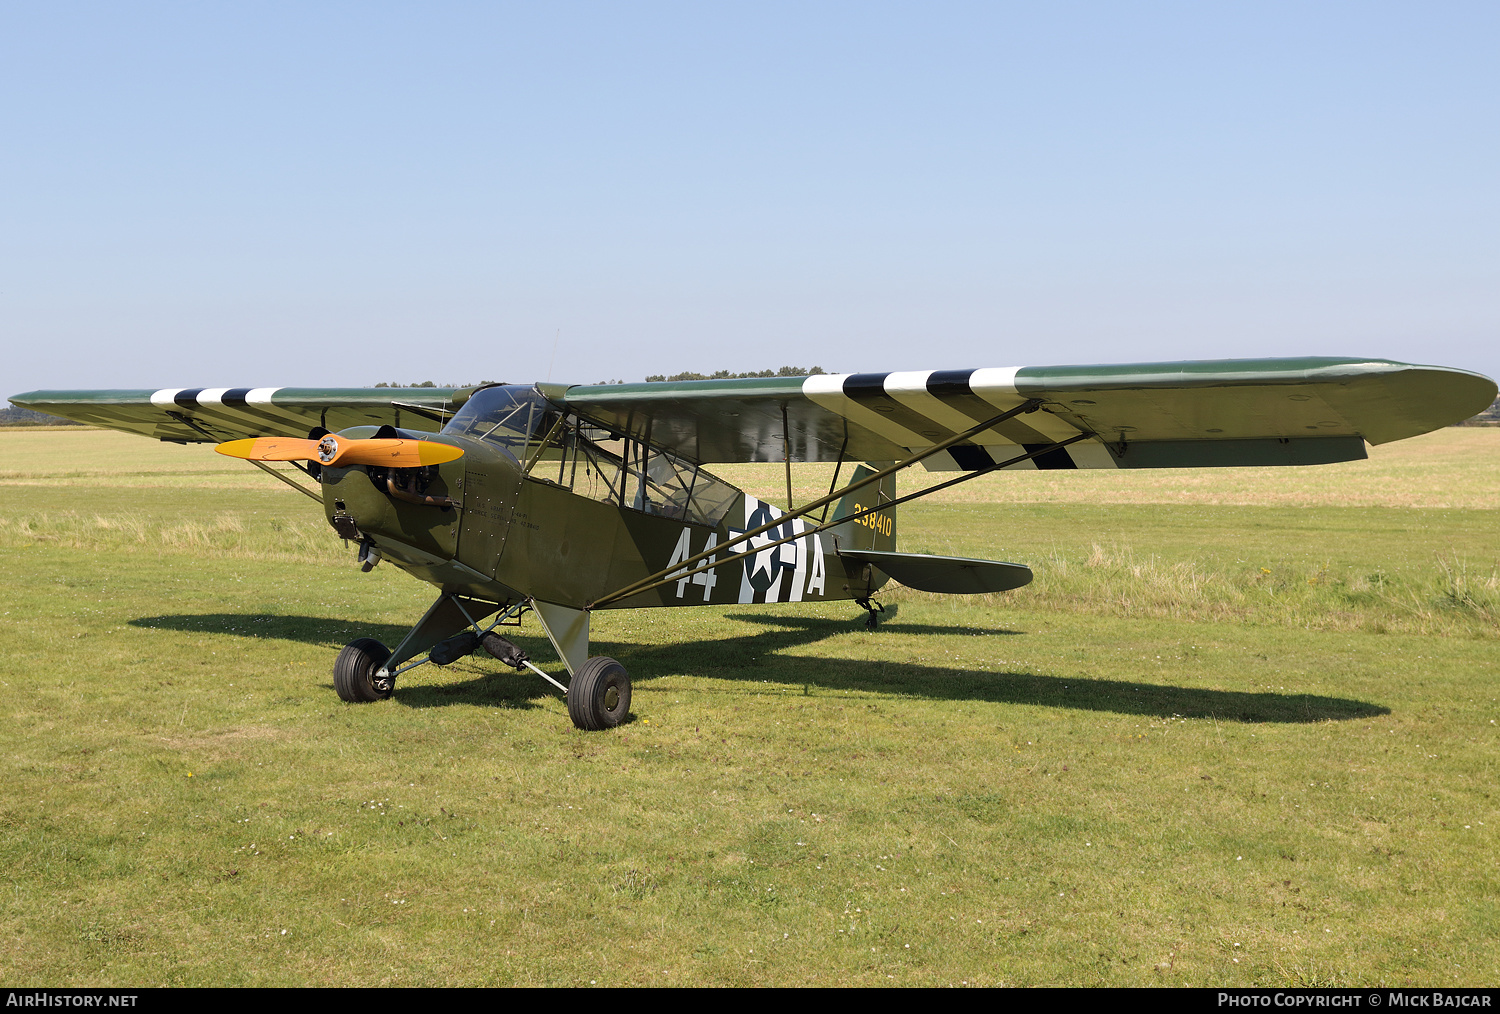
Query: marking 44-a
{"points": [[789, 572]]}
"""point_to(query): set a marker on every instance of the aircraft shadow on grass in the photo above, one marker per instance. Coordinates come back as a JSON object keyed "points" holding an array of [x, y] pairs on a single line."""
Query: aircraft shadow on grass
{"points": [[764, 657]]}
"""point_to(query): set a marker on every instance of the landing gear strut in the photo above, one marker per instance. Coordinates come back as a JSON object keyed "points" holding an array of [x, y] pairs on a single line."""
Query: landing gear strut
{"points": [[598, 696], [875, 609]]}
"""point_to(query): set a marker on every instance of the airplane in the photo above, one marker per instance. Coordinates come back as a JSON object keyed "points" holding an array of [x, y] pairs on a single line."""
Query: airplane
{"points": [[561, 500]]}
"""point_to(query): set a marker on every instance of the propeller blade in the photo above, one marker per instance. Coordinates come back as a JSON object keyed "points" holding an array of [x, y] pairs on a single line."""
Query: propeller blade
{"points": [[335, 450], [389, 453], [270, 449]]}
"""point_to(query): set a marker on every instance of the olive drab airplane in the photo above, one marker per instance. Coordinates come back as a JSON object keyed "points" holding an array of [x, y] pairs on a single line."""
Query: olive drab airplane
{"points": [[560, 500]]}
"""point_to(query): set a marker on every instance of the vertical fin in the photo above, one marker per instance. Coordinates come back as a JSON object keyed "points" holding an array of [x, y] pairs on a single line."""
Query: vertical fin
{"points": [[873, 531]]}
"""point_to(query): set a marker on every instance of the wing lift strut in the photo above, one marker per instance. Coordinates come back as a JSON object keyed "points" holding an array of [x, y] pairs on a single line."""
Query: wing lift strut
{"points": [[673, 574], [194, 425]]}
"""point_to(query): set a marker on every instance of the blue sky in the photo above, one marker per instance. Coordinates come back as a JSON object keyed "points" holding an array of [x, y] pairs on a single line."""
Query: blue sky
{"points": [[340, 194]]}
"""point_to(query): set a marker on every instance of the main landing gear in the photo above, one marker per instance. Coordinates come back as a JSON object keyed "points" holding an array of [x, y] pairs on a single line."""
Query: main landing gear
{"points": [[598, 694], [355, 672]]}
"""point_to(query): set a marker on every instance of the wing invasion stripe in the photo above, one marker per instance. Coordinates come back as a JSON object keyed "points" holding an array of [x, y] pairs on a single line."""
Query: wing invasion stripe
{"points": [[914, 410], [933, 394], [998, 387], [971, 459], [233, 404], [260, 398], [827, 390], [992, 388], [241, 411], [963, 458], [1053, 459], [870, 390], [1091, 454], [955, 388]]}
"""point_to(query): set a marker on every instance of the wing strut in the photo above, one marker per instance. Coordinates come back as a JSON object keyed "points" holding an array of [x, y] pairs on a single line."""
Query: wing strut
{"points": [[680, 570], [531, 462], [295, 485], [186, 421], [834, 482], [679, 574], [786, 453]]}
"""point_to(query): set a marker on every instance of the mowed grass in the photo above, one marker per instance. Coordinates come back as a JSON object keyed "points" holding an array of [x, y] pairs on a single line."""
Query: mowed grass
{"points": [[1241, 729]]}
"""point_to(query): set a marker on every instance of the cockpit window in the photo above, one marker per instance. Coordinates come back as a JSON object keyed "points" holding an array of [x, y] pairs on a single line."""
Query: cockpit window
{"points": [[601, 465], [506, 417], [589, 460]]}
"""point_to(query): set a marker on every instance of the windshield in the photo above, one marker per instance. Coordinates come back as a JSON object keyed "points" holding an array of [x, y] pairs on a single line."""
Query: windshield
{"points": [[507, 417]]}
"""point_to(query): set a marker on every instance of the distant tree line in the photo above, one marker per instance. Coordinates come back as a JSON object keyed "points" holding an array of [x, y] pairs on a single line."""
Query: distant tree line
{"points": [[785, 371], [1489, 417], [658, 378], [13, 415], [428, 383]]}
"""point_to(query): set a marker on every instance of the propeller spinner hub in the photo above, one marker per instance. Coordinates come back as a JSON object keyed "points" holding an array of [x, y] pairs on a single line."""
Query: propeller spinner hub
{"points": [[328, 449]]}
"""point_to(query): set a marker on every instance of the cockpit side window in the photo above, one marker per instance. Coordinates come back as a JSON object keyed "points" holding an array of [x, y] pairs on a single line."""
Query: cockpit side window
{"points": [[603, 465]]}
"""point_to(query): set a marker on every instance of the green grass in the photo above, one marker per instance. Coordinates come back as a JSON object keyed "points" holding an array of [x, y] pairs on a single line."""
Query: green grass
{"points": [[1261, 730]]}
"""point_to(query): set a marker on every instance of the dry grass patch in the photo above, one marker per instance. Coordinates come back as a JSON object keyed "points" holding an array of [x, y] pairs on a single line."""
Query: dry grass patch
{"points": [[226, 535]]}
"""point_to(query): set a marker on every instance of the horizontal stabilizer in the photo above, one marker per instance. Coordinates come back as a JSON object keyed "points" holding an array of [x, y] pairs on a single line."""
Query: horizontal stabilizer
{"points": [[949, 575]]}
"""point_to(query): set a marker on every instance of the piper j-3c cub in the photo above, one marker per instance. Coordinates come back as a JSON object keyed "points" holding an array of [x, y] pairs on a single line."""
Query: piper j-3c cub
{"points": [[562, 500]]}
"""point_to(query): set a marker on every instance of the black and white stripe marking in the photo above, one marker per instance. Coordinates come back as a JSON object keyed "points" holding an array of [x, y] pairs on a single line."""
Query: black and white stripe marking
{"points": [[242, 409], [916, 409]]}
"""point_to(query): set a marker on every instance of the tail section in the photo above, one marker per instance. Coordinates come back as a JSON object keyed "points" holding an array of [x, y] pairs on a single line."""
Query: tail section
{"points": [[867, 549], [867, 528]]}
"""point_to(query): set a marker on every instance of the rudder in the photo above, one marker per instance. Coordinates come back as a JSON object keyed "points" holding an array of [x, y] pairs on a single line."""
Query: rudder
{"points": [[875, 530]]}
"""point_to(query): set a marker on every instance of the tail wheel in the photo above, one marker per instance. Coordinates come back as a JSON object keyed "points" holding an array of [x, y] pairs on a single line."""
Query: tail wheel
{"points": [[599, 696], [354, 671]]}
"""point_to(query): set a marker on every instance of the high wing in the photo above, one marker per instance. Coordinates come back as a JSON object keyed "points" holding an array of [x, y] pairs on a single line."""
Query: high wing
{"points": [[190, 415], [1142, 415]]}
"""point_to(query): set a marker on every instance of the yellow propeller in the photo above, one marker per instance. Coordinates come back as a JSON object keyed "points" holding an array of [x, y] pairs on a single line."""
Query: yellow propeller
{"points": [[336, 450]]}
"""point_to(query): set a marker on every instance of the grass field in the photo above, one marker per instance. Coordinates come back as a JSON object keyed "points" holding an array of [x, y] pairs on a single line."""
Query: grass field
{"points": [[1242, 729]]}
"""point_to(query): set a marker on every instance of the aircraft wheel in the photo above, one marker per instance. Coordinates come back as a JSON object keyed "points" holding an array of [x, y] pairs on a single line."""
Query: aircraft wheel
{"points": [[354, 671], [599, 696]]}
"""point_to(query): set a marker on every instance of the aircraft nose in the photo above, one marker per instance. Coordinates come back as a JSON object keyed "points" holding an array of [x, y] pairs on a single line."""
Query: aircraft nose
{"points": [[394, 507]]}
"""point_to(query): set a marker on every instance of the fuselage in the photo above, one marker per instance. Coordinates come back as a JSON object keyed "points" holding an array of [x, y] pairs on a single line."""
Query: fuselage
{"points": [[545, 506]]}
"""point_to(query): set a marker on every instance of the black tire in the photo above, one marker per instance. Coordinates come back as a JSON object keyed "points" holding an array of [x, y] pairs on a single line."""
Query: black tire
{"points": [[354, 671], [599, 696]]}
